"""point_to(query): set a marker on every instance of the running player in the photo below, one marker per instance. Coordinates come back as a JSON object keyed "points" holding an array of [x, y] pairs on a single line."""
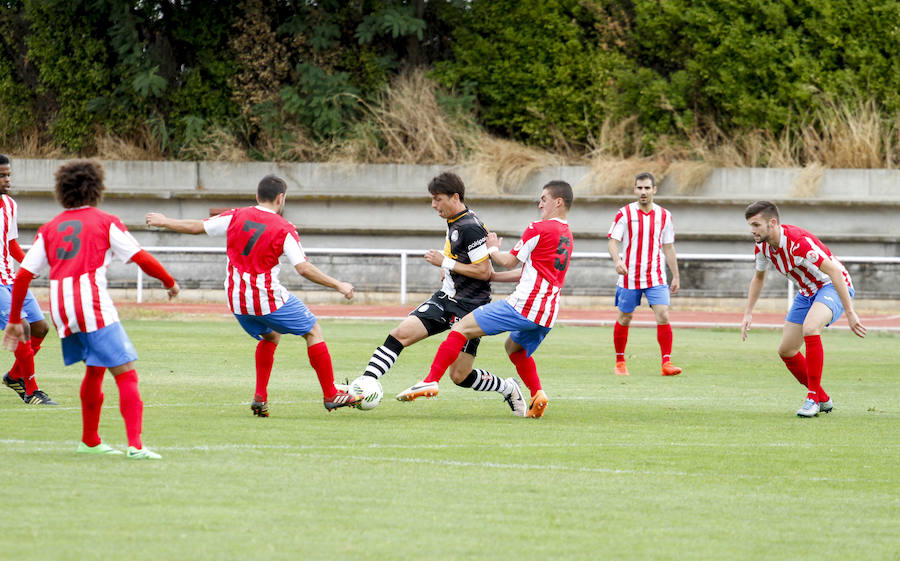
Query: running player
{"points": [[256, 237], [466, 271], [78, 245], [648, 242], [825, 291], [529, 312], [20, 378]]}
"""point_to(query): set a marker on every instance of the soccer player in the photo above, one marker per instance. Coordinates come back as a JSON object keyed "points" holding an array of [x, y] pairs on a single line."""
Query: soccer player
{"points": [[529, 312], [466, 271], [20, 377], [825, 291], [648, 242], [78, 245], [256, 237]]}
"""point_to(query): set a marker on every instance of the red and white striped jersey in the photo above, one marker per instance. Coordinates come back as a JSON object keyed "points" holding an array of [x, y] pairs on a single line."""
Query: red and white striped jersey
{"points": [[9, 212], [544, 250], [642, 235], [798, 257], [256, 238], [78, 245]]}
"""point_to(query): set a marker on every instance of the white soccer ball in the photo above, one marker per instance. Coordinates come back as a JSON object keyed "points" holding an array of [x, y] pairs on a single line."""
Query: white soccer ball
{"points": [[370, 389]]}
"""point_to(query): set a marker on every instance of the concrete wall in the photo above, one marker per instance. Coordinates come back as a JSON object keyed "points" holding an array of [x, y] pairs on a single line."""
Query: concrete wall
{"points": [[856, 212]]}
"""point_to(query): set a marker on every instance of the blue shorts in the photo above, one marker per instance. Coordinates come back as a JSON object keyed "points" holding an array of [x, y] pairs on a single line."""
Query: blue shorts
{"points": [[826, 295], [108, 347], [627, 299], [31, 310], [293, 317], [500, 317]]}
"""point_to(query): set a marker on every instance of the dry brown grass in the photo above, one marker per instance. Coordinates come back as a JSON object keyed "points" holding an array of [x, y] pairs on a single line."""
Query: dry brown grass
{"points": [[141, 145], [501, 166], [850, 135], [808, 182]]}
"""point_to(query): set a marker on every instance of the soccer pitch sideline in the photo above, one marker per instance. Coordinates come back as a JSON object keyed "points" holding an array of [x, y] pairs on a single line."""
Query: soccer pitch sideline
{"points": [[712, 464]]}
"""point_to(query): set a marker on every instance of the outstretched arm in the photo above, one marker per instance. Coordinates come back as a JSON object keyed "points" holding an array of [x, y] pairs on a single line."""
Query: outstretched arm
{"points": [[310, 272], [830, 268], [502, 258], [185, 226], [480, 270], [154, 268]]}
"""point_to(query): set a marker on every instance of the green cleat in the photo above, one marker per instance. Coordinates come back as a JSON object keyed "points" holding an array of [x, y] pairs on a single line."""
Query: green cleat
{"points": [[141, 454], [100, 449]]}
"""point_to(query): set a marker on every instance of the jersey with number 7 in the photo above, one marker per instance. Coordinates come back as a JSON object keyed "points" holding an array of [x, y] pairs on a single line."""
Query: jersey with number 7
{"points": [[256, 237], [544, 249]]}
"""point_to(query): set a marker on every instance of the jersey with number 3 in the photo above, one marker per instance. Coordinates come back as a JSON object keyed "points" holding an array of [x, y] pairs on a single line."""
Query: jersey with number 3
{"points": [[78, 245], [256, 237], [544, 250]]}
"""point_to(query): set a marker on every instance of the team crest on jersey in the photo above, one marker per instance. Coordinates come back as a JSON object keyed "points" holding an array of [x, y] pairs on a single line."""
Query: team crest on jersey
{"points": [[812, 256], [454, 235]]}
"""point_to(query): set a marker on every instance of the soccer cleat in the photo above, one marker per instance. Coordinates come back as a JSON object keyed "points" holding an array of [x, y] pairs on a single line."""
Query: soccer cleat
{"points": [[100, 449], [621, 369], [669, 369], [515, 400], [537, 405], [141, 454], [419, 389], [39, 398], [341, 399], [810, 409], [260, 408], [17, 386], [826, 406]]}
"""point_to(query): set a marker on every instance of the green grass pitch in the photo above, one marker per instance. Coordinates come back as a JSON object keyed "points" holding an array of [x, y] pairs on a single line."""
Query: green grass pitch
{"points": [[712, 464]]}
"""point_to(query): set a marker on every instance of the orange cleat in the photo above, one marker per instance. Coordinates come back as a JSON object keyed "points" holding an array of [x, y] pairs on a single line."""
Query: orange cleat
{"points": [[537, 405], [669, 369], [621, 369]]}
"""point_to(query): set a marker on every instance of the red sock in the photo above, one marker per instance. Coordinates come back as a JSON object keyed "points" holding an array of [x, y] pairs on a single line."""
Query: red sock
{"points": [[620, 339], [91, 403], [664, 337], [320, 360], [797, 366], [24, 367], [815, 357], [527, 370], [131, 406], [36, 343], [446, 355], [265, 357]]}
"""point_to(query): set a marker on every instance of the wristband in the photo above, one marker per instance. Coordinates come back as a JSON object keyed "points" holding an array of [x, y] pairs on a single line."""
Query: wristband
{"points": [[493, 250], [448, 263]]}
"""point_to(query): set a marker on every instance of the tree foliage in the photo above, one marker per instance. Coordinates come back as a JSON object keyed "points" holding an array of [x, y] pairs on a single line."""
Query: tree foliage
{"points": [[546, 72]]}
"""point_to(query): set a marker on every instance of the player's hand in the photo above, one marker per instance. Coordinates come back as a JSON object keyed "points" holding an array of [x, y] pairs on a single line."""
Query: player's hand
{"points": [[173, 290], [674, 286], [346, 289], [856, 326], [493, 240], [155, 219], [13, 335], [621, 268], [745, 326], [434, 257]]}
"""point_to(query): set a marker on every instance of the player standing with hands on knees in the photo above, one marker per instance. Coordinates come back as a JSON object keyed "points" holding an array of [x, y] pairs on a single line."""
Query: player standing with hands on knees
{"points": [[530, 311], [256, 237], [825, 292], [648, 243], [78, 245]]}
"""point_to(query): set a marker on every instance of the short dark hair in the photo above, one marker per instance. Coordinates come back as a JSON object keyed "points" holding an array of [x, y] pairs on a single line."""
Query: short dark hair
{"points": [[79, 183], [448, 183], [766, 208], [561, 190], [4, 160], [645, 175], [270, 187]]}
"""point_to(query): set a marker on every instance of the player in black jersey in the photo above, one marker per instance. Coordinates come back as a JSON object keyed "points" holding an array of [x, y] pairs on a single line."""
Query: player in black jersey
{"points": [[466, 272]]}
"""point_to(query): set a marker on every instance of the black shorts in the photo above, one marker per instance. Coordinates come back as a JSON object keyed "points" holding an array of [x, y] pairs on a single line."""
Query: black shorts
{"points": [[440, 312]]}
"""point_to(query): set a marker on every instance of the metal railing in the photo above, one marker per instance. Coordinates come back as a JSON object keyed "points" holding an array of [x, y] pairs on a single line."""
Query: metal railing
{"points": [[404, 255]]}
